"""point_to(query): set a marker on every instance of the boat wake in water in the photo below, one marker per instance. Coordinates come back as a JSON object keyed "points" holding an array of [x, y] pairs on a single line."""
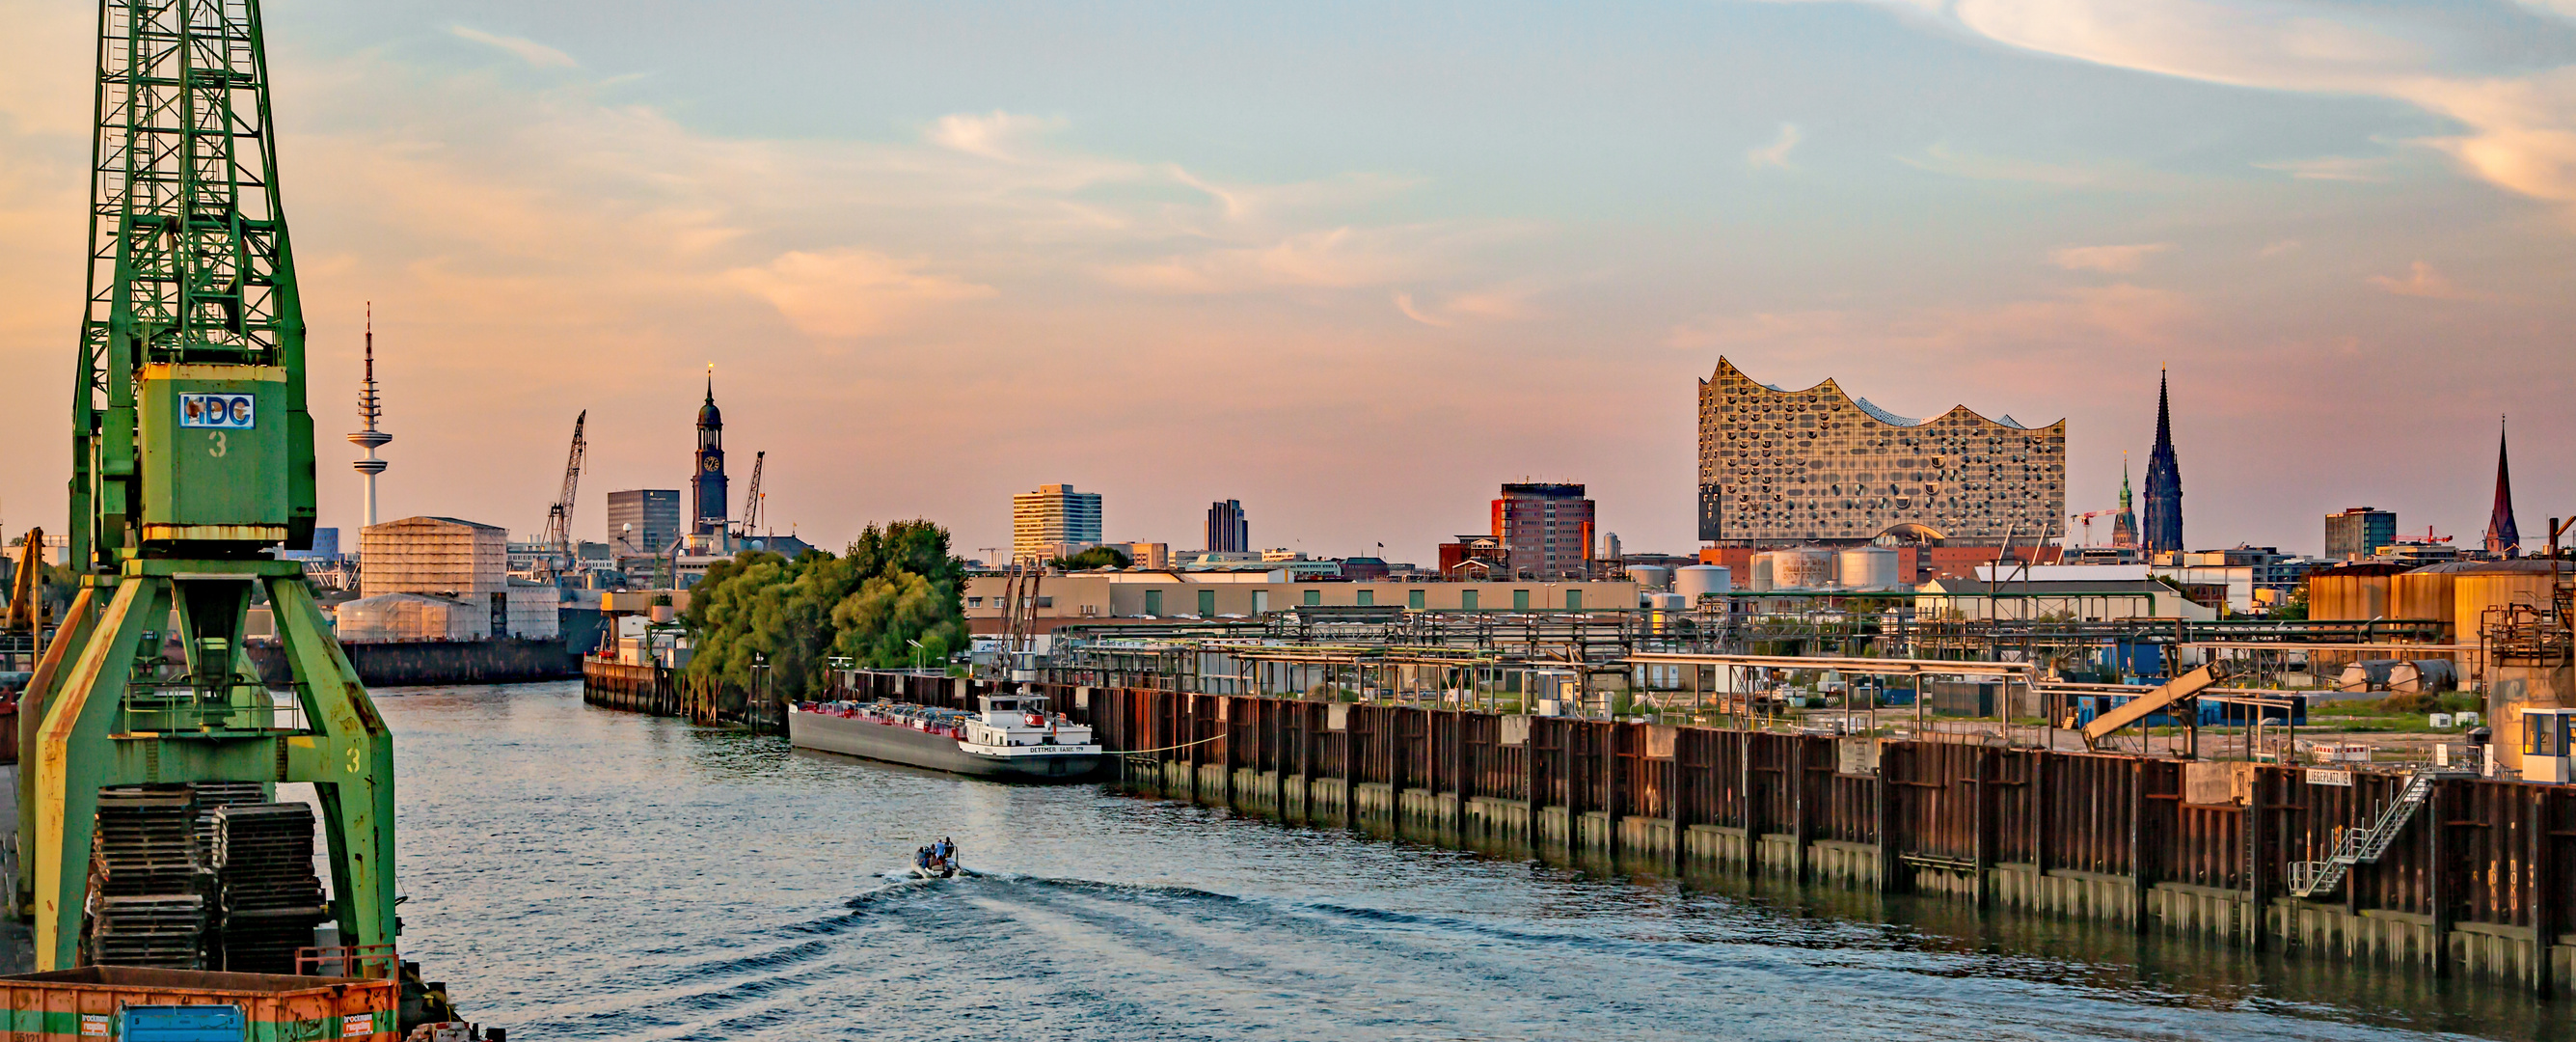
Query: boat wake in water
{"points": [[1017, 957]]}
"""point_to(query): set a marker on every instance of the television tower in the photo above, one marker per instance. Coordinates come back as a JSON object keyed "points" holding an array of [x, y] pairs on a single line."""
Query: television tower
{"points": [[370, 408]]}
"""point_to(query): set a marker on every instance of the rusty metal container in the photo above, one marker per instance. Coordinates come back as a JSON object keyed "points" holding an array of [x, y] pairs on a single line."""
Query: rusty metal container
{"points": [[2424, 594], [2348, 597], [68, 1005], [2476, 592]]}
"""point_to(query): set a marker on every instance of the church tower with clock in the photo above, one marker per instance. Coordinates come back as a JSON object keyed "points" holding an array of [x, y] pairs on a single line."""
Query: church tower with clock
{"points": [[707, 477]]}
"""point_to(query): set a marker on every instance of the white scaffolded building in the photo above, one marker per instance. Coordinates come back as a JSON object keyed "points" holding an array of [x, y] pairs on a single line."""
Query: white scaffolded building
{"points": [[408, 569]]}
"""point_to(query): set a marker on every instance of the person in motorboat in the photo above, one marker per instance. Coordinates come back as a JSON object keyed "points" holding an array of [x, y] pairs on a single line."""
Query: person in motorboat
{"points": [[937, 860]]}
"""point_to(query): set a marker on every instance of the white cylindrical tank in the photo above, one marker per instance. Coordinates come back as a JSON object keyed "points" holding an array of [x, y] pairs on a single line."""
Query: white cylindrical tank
{"points": [[1805, 568], [1692, 582], [1869, 568], [1667, 602], [1762, 574], [1650, 576]]}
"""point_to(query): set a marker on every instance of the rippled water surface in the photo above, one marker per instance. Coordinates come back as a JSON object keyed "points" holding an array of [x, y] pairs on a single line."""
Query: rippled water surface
{"points": [[578, 873]]}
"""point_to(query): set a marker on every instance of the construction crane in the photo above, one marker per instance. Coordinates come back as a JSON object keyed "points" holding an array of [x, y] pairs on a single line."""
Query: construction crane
{"points": [[192, 458], [751, 499], [2086, 519], [559, 516]]}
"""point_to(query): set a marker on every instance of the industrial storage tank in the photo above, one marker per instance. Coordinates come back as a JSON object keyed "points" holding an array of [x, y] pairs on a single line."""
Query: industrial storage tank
{"points": [[1869, 568], [1761, 582], [1699, 580], [1650, 576], [1805, 568], [1667, 602]]}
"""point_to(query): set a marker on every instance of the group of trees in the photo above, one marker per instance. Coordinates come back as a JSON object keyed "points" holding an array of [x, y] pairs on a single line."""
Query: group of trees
{"points": [[1096, 557], [895, 585]]}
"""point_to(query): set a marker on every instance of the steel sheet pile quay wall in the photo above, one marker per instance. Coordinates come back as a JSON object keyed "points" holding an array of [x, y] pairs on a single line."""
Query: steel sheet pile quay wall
{"points": [[669, 692], [2476, 883]]}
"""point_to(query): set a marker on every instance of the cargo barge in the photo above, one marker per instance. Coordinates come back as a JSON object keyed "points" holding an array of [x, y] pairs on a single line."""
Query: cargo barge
{"points": [[1011, 736]]}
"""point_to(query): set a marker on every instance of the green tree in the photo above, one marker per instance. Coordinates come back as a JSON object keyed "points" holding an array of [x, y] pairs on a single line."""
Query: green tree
{"points": [[910, 587], [1096, 557], [2296, 608], [896, 584], [760, 608]]}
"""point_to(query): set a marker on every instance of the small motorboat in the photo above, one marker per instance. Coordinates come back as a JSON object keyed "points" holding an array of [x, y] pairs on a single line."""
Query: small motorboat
{"points": [[936, 861]]}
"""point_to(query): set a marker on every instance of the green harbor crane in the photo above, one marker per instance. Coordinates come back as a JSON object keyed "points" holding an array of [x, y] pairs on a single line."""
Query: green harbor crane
{"points": [[192, 458]]}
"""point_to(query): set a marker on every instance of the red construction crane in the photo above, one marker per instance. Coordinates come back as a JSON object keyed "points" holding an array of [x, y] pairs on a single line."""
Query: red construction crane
{"points": [[2086, 518]]}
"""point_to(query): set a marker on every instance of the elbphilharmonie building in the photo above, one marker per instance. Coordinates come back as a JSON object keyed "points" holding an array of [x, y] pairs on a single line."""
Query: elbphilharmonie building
{"points": [[1781, 467]]}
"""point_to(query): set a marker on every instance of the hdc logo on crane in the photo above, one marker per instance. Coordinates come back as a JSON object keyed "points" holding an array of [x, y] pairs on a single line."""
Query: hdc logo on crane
{"points": [[231, 411]]}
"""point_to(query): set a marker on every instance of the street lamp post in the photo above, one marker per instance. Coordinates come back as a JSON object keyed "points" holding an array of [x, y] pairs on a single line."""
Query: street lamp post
{"points": [[917, 652]]}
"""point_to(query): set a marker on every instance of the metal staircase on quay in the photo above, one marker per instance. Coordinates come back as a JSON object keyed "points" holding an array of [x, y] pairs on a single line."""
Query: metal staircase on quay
{"points": [[2363, 846]]}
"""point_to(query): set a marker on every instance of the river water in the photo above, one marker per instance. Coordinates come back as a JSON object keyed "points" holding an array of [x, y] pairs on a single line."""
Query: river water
{"points": [[581, 873]]}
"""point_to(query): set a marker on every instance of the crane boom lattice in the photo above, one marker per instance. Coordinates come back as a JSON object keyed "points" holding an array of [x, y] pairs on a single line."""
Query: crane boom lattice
{"points": [[751, 497], [559, 516]]}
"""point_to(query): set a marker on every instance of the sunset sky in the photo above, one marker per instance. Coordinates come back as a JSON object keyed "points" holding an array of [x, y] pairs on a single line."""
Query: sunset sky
{"points": [[1357, 264]]}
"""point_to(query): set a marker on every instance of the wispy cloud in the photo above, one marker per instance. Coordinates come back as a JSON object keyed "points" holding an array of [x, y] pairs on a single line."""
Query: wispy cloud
{"points": [[1337, 258], [537, 55], [2331, 168], [1775, 154], [2422, 280], [2279, 248], [1940, 158], [993, 135], [2073, 319], [2521, 129], [850, 293], [1501, 304], [1404, 303], [2120, 259], [1493, 304]]}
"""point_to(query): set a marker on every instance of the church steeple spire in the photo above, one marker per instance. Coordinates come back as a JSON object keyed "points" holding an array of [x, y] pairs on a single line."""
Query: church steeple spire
{"points": [[2162, 532], [706, 471], [2124, 525], [2503, 538]]}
